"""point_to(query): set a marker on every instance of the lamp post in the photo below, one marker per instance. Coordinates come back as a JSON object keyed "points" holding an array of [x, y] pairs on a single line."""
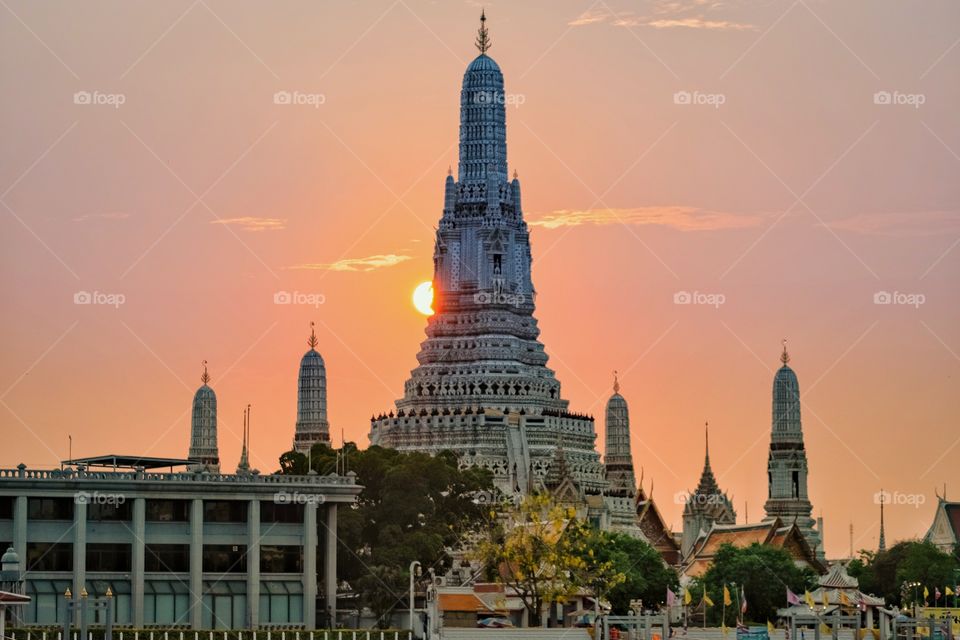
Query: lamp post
{"points": [[414, 571]]}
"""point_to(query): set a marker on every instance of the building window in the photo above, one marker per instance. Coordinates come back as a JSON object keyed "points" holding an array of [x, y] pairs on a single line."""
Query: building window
{"points": [[174, 558], [281, 602], [166, 602], [281, 559], [224, 604], [167, 511], [6, 507], [273, 512], [49, 556], [224, 511], [225, 558], [104, 556], [116, 511], [50, 508]]}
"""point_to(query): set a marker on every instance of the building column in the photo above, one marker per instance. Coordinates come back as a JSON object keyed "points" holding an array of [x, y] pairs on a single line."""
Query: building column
{"points": [[310, 565], [196, 563], [138, 558], [330, 565], [253, 564], [20, 530], [79, 548]]}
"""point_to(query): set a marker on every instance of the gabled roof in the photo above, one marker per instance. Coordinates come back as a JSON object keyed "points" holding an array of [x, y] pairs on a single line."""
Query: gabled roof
{"points": [[655, 528], [461, 602]]}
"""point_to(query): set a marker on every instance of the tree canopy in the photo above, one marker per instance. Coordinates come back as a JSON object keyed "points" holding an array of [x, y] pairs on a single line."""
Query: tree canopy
{"points": [[911, 561], [413, 506]]}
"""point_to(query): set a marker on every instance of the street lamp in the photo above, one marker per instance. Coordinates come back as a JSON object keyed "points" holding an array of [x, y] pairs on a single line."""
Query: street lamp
{"points": [[414, 571]]}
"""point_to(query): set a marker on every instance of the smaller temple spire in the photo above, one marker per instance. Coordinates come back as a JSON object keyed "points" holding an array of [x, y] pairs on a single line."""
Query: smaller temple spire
{"points": [[882, 546], [313, 342], [706, 438], [244, 466], [483, 37], [784, 357], [516, 174], [616, 382], [205, 378]]}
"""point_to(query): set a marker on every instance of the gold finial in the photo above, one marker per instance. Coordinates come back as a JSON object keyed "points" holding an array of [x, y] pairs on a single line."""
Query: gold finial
{"points": [[515, 174], [313, 337], [109, 592], [67, 594], [483, 37], [784, 357], [206, 376], [83, 592], [616, 382]]}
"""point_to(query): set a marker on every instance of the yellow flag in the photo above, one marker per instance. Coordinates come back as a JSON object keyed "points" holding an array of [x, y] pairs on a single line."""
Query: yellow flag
{"points": [[687, 598], [723, 628], [727, 600], [844, 600], [809, 599], [824, 629], [769, 627], [823, 598], [706, 598], [926, 593], [948, 591]]}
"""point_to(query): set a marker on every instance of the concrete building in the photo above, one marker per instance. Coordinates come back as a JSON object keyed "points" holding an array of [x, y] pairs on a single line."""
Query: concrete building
{"points": [[194, 549]]}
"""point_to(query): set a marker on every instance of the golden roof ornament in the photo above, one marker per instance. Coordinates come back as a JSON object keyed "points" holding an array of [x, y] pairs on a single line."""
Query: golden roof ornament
{"points": [[784, 357], [313, 342], [616, 382], [483, 37], [206, 376]]}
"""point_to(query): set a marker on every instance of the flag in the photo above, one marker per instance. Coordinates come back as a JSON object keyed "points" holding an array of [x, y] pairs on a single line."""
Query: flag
{"points": [[936, 593], [926, 593], [706, 598], [723, 628], [824, 629], [792, 598], [948, 591], [671, 597], [844, 600], [823, 598], [769, 627], [727, 600], [809, 598], [743, 600], [687, 598]]}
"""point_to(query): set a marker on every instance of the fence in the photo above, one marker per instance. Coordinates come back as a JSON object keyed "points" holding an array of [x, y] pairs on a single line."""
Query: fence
{"points": [[183, 634]]}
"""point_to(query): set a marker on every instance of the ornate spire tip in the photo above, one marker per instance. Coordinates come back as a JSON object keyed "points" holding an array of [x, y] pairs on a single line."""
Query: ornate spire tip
{"points": [[206, 376], [483, 36], [784, 357], [313, 342], [616, 382]]}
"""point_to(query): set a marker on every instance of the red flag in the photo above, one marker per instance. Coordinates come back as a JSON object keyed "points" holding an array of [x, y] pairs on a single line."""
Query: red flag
{"points": [[743, 600], [793, 598]]}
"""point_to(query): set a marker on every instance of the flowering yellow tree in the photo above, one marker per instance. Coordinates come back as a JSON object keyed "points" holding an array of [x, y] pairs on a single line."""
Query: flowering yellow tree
{"points": [[540, 550]]}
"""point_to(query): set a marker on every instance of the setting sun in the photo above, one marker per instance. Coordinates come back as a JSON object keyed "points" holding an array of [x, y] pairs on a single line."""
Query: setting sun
{"points": [[423, 298]]}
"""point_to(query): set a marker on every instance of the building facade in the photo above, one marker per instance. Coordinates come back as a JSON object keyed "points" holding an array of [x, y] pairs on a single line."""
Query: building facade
{"points": [[787, 497], [482, 388], [197, 550]]}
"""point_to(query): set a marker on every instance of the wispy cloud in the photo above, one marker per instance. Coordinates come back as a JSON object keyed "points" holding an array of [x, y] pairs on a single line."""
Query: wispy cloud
{"points": [[667, 14], [110, 215], [904, 224], [368, 263], [676, 217], [252, 223]]}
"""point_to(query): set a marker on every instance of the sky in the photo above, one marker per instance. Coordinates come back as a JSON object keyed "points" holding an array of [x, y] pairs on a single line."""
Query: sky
{"points": [[702, 178]]}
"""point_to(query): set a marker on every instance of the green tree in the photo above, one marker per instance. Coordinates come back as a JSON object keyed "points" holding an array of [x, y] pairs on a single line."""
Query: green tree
{"points": [[762, 572], [412, 507], [645, 575], [885, 573]]}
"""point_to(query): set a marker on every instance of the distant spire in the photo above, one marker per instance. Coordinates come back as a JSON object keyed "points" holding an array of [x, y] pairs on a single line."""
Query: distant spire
{"points": [[784, 357], [706, 437], [206, 376], [483, 37], [616, 382], [244, 465], [882, 546], [515, 174], [313, 337], [450, 170]]}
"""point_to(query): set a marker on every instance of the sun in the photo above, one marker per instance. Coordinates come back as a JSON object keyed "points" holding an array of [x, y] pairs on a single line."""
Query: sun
{"points": [[423, 298]]}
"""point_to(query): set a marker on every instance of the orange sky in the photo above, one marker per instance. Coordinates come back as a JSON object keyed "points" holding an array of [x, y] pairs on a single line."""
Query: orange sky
{"points": [[795, 195]]}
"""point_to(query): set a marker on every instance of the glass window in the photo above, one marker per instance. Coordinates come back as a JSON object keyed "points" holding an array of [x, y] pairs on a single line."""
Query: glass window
{"points": [[108, 556], [224, 511], [50, 508], [168, 511], [273, 512], [167, 557], [49, 556], [225, 558], [281, 559], [113, 510], [6, 507]]}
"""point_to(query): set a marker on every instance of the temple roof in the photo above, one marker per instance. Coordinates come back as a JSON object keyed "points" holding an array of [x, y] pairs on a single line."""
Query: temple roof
{"points": [[483, 62]]}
